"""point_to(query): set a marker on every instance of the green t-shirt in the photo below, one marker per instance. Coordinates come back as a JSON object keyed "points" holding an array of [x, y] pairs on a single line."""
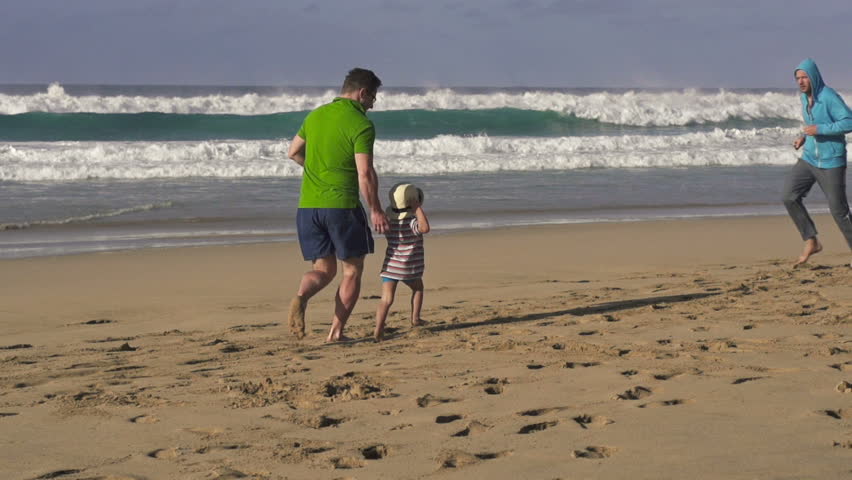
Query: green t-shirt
{"points": [[333, 134]]}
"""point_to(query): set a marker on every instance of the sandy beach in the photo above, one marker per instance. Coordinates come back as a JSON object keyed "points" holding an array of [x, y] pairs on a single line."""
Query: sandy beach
{"points": [[652, 350]]}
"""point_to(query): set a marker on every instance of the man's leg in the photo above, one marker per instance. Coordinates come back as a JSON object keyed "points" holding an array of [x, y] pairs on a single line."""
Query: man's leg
{"points": [[799, 182], [324, 270], [833, 183], [347, 297]]}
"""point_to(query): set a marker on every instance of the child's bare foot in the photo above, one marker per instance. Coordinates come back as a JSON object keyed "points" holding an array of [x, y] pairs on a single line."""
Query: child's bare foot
{"points": [[297, 316], [812, 247]]}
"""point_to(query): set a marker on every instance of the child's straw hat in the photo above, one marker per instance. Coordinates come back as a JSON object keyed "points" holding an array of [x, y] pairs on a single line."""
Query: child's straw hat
{"points": [[403, 196]]}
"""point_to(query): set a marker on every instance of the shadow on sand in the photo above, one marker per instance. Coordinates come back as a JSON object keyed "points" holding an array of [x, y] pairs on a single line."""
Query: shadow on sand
{"points": [[391, 334], [579, 311]]}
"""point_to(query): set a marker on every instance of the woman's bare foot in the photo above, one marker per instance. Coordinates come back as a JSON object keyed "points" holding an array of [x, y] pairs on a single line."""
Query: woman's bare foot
{"points": [[297, 316], [812, 247], [418, 323]]}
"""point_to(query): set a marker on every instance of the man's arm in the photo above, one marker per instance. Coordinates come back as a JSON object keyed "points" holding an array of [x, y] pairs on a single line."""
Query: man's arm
{"points": [[368, 181], [297, 150], [841, 115]]}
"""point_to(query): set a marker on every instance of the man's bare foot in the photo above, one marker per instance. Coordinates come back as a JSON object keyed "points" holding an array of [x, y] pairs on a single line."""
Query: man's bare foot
{"points": [[812, 247], [340, 338], [297, 316]]}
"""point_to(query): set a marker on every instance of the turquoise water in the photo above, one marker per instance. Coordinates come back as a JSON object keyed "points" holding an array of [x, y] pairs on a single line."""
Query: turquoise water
{"points": [[403, 124]]}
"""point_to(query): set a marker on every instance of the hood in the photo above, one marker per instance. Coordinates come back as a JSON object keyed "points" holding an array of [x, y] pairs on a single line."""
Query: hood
{"points": [[810, 67]]}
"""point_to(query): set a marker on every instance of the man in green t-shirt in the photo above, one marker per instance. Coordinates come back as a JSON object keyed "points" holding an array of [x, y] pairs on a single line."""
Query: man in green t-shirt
{"points": [[335, 148]]}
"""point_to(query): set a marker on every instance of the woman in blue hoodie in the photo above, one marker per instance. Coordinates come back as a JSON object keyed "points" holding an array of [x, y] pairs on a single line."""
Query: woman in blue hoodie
{"points": [[823, 160]]}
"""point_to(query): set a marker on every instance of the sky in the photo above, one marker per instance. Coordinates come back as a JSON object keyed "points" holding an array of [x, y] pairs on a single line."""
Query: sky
{"points": [[528, 43]]}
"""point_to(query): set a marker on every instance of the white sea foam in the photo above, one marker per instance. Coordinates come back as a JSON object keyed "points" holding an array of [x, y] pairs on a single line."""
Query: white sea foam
{"points": [[86, 218], [640, 108], [444, 154]]}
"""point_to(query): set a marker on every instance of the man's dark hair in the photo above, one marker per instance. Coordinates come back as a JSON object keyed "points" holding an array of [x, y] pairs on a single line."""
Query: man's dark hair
{"points": [[359, 78]]}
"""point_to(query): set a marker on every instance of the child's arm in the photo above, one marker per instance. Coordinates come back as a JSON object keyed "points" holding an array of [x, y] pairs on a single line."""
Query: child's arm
{"points": [[422, 221]]}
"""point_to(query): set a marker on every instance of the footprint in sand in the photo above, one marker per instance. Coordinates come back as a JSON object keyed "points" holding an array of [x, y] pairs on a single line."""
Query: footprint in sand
{"points": [[321, 421], [145, 419], [844, 387], [665, 403], [198, 361], [243, 328], [206, 432], [589, 421], [97, 321], [839, 414], [494, 390], [492, 456], [208, 448], [537, 427], [495, 385], [458, 459], [535, 366], [594, 452], [225, 473], [428, 400], [165, 453], [375, 452], [124, 347], [745, 379], [16, 347], [472, 428], [580, 364], [58, 473], [346, 463], [540, 411], [630, 373], [235, 348], [448, 418], [842, 366], [634, 394]]}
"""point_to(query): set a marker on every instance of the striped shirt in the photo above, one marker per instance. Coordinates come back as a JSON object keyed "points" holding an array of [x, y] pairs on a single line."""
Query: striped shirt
{"points": [[404, 257]]}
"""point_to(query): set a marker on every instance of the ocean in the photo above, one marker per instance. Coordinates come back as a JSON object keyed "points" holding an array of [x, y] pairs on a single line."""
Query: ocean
{"points": [[100, 168]]}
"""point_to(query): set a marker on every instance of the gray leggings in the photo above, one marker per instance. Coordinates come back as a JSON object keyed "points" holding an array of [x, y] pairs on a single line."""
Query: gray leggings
{"points": [[833, 184]]}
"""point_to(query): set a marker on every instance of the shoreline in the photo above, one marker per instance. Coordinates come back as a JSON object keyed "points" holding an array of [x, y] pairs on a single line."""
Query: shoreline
{"points": [[286, 234]]}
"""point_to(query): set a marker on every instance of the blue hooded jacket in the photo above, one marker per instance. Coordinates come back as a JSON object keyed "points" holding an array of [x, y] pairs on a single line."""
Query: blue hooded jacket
{"points": [[826, 149]]}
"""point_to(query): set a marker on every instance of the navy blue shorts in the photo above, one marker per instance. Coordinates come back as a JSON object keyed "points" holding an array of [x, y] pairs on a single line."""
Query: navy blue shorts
{"points": [[343, 232]]}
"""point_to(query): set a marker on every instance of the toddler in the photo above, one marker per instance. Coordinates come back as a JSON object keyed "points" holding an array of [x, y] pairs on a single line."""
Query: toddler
{"points": [[404, 257]]}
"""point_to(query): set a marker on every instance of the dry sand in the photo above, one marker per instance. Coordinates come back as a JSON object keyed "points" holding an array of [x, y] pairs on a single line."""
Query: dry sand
{"points": [[659, 350]]}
